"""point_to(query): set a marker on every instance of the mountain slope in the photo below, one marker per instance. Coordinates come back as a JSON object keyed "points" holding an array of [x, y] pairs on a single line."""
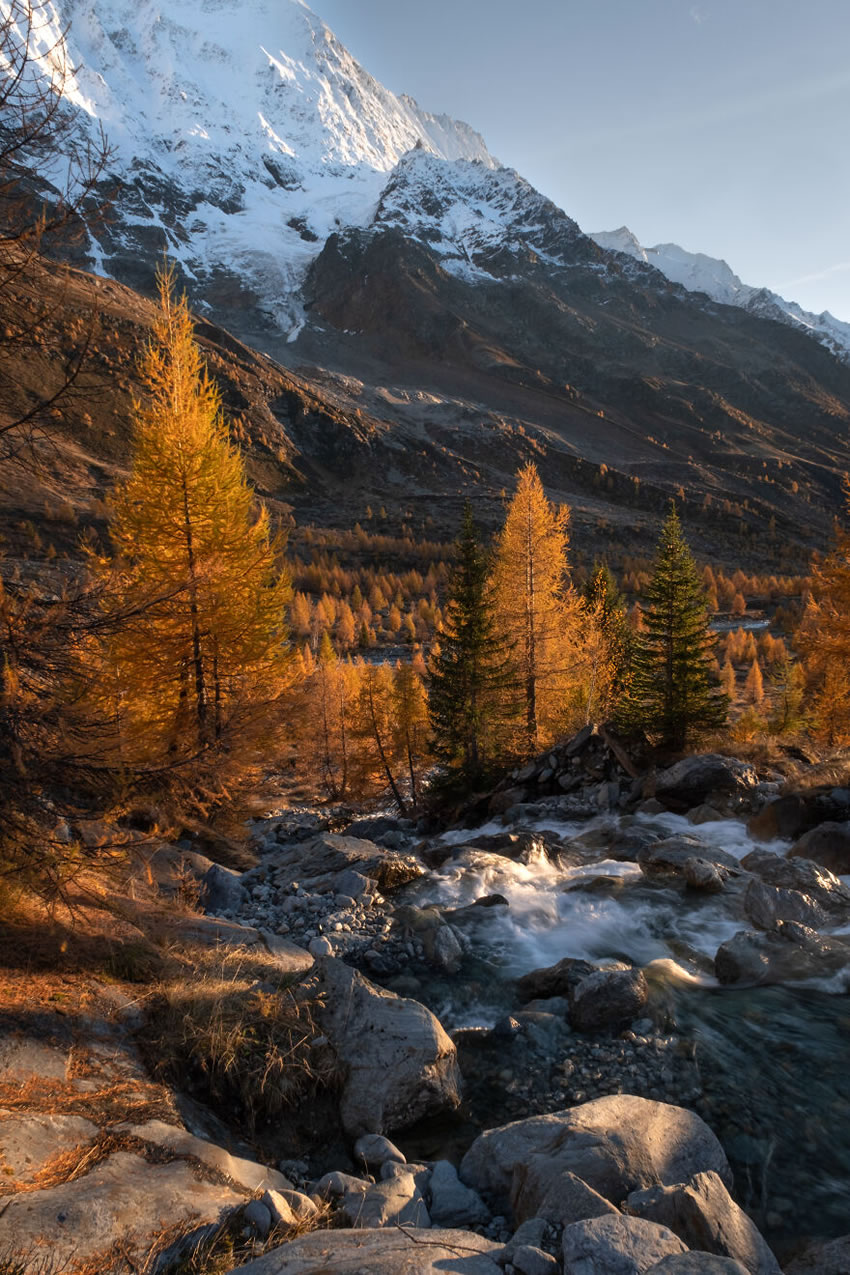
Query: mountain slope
{"points": [[243, 134], [700, 273]]}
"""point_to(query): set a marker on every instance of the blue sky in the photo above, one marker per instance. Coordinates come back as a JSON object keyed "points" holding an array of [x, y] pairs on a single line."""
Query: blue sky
{"points": [[720, 125]]}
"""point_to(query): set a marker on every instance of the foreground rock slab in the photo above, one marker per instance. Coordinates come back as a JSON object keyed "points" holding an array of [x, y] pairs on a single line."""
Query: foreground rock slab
{"points": [[400, 1064], [704, 1216], [124, 1200], [617, 1246], [616, 1145], [245, 1173], [408, 1252]]}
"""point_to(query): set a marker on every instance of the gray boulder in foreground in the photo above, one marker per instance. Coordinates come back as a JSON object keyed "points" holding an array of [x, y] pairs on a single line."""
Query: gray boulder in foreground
{"points": [[400, 1065], [390, 1252], [617, 1246], [616, 1145], [800, 874], [789, 952], [703, 1214]]}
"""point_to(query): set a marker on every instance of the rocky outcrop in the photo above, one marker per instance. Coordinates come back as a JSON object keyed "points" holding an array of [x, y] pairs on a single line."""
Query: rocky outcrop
{"points": [[790, 952], [671, 857], [607, 998], [827, 845], [389, 1252], [616, 1145], [399, 1063], [802, 875], [703, 1214], [318, 864], [705, 779], [617, 1246]]}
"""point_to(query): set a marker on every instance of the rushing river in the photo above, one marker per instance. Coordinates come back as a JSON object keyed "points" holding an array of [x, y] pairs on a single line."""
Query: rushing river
{"points": [[774, 1061]]}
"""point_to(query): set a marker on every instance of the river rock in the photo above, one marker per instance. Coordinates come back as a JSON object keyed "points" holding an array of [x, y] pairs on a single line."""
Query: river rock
{"points": [[400, 1064], [553, 980], [616, 1145], [702, 875], [832, 1258], [221, 889], [800, 874], [767, 904], [396, 1201], [452, 1203], [528, 1260], [522, 845], [389, 1252], [692, 781], [318, 865], [607, 998], [703, 814], [704, 1215], [627, 843], [373, 1151], [617, 1246], [787, 953], [443, 949], [827, 845], [669, 858], [568, 1199], [783, 819], [698, 1264]]}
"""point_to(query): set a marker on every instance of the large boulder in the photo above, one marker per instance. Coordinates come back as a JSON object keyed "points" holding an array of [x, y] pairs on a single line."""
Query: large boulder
{"points": [[452, 1203], [617, 1246], [692, 781], [319, 864], [553, 980], [670, 858], [832, 1258], [607, 998], [221, 889], [568, 1199], [521, 845], [703, 1214], [767, 904], [616, 1145], [803, 875], [387, 1252], [828, 845], [788, 953], [400, 1065], [783, 819], [397, 1201]]}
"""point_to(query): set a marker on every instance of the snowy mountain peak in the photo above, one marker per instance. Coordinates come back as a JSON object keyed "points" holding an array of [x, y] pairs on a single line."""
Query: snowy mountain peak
{"points": [[711, 275]]}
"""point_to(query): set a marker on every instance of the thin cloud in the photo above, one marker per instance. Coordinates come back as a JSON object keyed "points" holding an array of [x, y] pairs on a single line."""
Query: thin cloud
{"points": [[698, 16], [839, 268]]}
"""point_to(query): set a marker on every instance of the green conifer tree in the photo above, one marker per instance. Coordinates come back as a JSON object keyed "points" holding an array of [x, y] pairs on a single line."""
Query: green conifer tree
{"points": [[676, 693], [602, 598], [469, 695]]}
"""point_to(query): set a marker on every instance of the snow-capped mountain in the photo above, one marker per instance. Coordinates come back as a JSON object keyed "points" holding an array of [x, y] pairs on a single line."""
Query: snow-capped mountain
{"points": [[243, 132], [700, 273]]}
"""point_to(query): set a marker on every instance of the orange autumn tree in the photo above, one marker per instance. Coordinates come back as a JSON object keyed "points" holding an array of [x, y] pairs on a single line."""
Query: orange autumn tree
{"points": [[538, 614], [197, 661]]}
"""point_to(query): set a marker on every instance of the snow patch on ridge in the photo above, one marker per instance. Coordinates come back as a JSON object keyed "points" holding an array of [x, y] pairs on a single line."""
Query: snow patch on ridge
{"points": [[700, 273]]}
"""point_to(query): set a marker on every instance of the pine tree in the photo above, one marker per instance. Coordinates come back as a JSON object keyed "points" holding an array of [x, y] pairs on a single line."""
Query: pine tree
{"points": [[728, 680], [410, 711], [199, 659], [469, 679], [676, 693], [603, 601], [532, 606]]}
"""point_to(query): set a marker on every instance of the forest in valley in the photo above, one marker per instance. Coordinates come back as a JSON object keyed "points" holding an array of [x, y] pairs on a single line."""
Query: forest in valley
{"points": [[196, 655]]}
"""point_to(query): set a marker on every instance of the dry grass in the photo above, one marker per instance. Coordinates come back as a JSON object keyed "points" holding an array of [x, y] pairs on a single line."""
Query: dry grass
{"points": [[233, 1027]]}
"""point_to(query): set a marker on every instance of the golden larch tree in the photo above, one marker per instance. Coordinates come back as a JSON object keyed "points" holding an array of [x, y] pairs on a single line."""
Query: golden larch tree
{"points": [[198, 659], [534, 606]]}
